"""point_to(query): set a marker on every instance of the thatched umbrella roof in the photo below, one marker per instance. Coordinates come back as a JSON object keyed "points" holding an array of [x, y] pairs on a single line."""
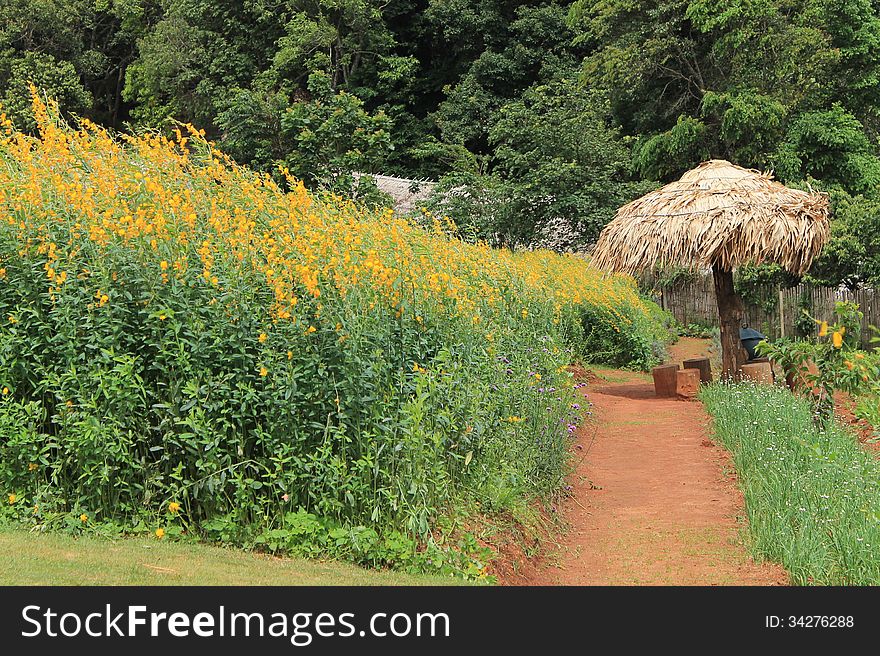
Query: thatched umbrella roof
{"points": [[717, 215]]}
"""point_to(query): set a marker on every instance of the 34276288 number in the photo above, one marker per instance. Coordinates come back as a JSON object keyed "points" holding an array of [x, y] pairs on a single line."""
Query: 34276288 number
{"points": [[809, 621]]}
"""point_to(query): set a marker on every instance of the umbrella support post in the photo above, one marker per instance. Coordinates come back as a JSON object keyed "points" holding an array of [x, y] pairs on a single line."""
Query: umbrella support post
{"points": [[730, 314]]}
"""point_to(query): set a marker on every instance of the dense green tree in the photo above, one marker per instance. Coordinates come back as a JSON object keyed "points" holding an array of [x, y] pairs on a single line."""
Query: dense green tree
{"points": [[852, 257], [52, 78], [761, 83], [513, 46], [75, 50], [322, 139], [196, 53], [831, 146], [347, 39], [569, 166], [201, 49], [559, 170]]}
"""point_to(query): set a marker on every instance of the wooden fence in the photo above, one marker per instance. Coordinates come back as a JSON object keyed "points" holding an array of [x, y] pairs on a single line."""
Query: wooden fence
{"points": [[694, 302]]}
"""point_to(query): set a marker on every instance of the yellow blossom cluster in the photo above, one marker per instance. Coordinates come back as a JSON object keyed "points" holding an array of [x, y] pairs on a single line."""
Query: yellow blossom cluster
{"points": [[183, 206]]}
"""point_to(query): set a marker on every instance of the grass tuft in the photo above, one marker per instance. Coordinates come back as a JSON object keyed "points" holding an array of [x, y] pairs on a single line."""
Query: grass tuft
{"points": [[812, 495]]}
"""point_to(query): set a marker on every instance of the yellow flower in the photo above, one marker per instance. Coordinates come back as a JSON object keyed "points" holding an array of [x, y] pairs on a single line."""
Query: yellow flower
{"points": [[860, 356], [290, 355], [525, 313], [5, 391], [12, 498], [83, 518], [163, 316], [837, 339], [264, 372], [163, 265], [849, 365], [310, 330], [823, 329], [262, 338], [537, 376], [33, 466], [12, 319], [173, 507], [160, 532]]}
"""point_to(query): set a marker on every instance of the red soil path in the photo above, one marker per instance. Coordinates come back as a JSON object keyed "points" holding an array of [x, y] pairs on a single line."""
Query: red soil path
{"points": [[654, 501]]}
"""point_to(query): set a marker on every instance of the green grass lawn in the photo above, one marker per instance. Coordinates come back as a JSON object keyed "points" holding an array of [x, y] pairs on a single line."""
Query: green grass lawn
{"points": [[812, 496], [56, 559]]}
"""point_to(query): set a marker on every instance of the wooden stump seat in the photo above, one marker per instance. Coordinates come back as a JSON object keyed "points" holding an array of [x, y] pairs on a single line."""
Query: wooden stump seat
{"points": [[703, 365], [687, 383], [759, 372], [665, 380]]}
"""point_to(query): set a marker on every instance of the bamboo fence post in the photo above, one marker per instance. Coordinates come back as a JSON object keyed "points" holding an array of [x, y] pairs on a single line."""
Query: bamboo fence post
{"points": [[781, 314]]}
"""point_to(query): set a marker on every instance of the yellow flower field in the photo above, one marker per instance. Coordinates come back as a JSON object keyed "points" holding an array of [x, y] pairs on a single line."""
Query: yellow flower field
{"points": [[285, 370]]}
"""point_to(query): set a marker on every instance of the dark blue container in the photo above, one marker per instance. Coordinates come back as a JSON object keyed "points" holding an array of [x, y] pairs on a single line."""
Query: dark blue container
{"points": [[750, 338]]}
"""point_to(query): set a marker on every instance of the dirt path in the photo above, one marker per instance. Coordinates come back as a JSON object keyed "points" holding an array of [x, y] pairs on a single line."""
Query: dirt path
{"points": [[654, 501]]}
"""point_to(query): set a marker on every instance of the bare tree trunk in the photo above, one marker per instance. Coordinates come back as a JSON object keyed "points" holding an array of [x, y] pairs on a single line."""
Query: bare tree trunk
{"points": [[117, 97], [730, 313]]}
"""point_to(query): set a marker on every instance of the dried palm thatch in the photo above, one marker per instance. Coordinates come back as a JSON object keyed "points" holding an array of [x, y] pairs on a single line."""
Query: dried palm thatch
{"points": [[718, 215], [721, 216]]}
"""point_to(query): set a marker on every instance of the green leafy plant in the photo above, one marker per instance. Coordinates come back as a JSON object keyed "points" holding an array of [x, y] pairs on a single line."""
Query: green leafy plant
{"points": [[826, 364], [698, 330]]}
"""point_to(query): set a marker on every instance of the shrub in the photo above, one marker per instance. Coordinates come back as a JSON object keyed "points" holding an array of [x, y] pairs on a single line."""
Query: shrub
{"points": [[833, 357], [177, 331]]}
